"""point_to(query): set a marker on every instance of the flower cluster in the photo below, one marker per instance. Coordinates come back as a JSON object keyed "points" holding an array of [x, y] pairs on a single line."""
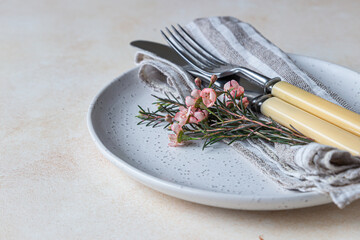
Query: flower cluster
{"points": [[195, 112], [207, 116], [198, 104], [236, 91]]}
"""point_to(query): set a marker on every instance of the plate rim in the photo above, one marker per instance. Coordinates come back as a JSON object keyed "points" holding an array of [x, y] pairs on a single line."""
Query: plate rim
{"points": [[315, 198]]}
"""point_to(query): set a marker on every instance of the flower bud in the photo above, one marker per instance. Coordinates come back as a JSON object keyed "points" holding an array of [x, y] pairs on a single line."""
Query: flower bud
{"points": [[213, 79], [229, 104], [198, 82], [168, 118], [245, 102]]}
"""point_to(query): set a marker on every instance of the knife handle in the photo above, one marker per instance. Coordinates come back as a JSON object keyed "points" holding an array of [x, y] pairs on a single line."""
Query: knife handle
{"points": [[330, 112], [309, 125]]}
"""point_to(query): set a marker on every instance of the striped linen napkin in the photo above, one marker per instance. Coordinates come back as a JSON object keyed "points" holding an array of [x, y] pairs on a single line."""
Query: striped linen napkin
{"points": [[312, 167]]}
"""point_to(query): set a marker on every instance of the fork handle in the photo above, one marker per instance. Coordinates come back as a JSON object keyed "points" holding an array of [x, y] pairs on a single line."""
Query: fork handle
{"points": [[330, 112], [311, 126]]}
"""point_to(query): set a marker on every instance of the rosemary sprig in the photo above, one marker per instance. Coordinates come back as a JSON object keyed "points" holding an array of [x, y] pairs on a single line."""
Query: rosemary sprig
{"points": [[225, 121]]}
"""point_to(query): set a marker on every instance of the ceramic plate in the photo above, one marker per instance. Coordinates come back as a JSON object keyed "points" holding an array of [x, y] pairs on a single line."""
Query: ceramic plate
{"points": [[217, 176]]}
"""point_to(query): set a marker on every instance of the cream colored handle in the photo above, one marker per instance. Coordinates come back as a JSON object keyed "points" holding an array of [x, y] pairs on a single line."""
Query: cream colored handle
{"points": [[317, 106], [311, 126]]}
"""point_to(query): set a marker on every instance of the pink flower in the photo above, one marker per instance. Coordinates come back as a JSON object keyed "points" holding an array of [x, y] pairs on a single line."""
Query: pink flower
{"points": [[176, 127], [234, 88], [188, 115], [198, 116], [174, 140], [195, 93], [182, 116], [190, 101], [245, 102], [208, 96], [201, 115]]}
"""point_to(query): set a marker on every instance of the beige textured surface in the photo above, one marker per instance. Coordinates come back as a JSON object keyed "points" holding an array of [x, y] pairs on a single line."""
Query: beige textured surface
{"points": [[56, 55]]}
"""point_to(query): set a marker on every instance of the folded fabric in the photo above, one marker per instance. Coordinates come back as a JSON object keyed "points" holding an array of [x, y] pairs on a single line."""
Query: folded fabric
{"points": [[312, 167]]}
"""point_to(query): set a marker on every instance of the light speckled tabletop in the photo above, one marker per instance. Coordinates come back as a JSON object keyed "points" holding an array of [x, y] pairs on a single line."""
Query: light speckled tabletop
{"points": [[56, 55]]}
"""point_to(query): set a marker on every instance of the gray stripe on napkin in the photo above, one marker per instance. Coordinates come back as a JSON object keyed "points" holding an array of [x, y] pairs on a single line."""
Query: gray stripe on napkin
{"points": [[218, 41]]}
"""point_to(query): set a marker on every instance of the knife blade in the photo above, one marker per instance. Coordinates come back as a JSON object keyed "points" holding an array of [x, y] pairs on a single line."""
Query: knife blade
{"points": [[160, 50]]}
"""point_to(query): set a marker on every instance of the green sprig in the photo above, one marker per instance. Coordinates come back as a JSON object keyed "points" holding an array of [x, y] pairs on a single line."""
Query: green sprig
{"points": [[233, 123]]}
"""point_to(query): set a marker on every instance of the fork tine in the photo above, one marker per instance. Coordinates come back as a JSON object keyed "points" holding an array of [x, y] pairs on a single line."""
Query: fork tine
{"points": [[186, 50], [189, 60], [209, 55], [200, 54]]}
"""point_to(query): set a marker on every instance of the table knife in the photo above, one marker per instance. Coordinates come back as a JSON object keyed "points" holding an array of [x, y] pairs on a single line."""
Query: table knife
{"points": [[286, 114]]}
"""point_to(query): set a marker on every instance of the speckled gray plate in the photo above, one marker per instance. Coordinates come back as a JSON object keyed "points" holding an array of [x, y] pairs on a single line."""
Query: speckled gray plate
{"points": [[217, 176]]}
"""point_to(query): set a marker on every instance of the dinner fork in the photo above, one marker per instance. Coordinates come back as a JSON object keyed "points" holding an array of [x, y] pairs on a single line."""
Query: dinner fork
{"points": [[208, 64]]}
